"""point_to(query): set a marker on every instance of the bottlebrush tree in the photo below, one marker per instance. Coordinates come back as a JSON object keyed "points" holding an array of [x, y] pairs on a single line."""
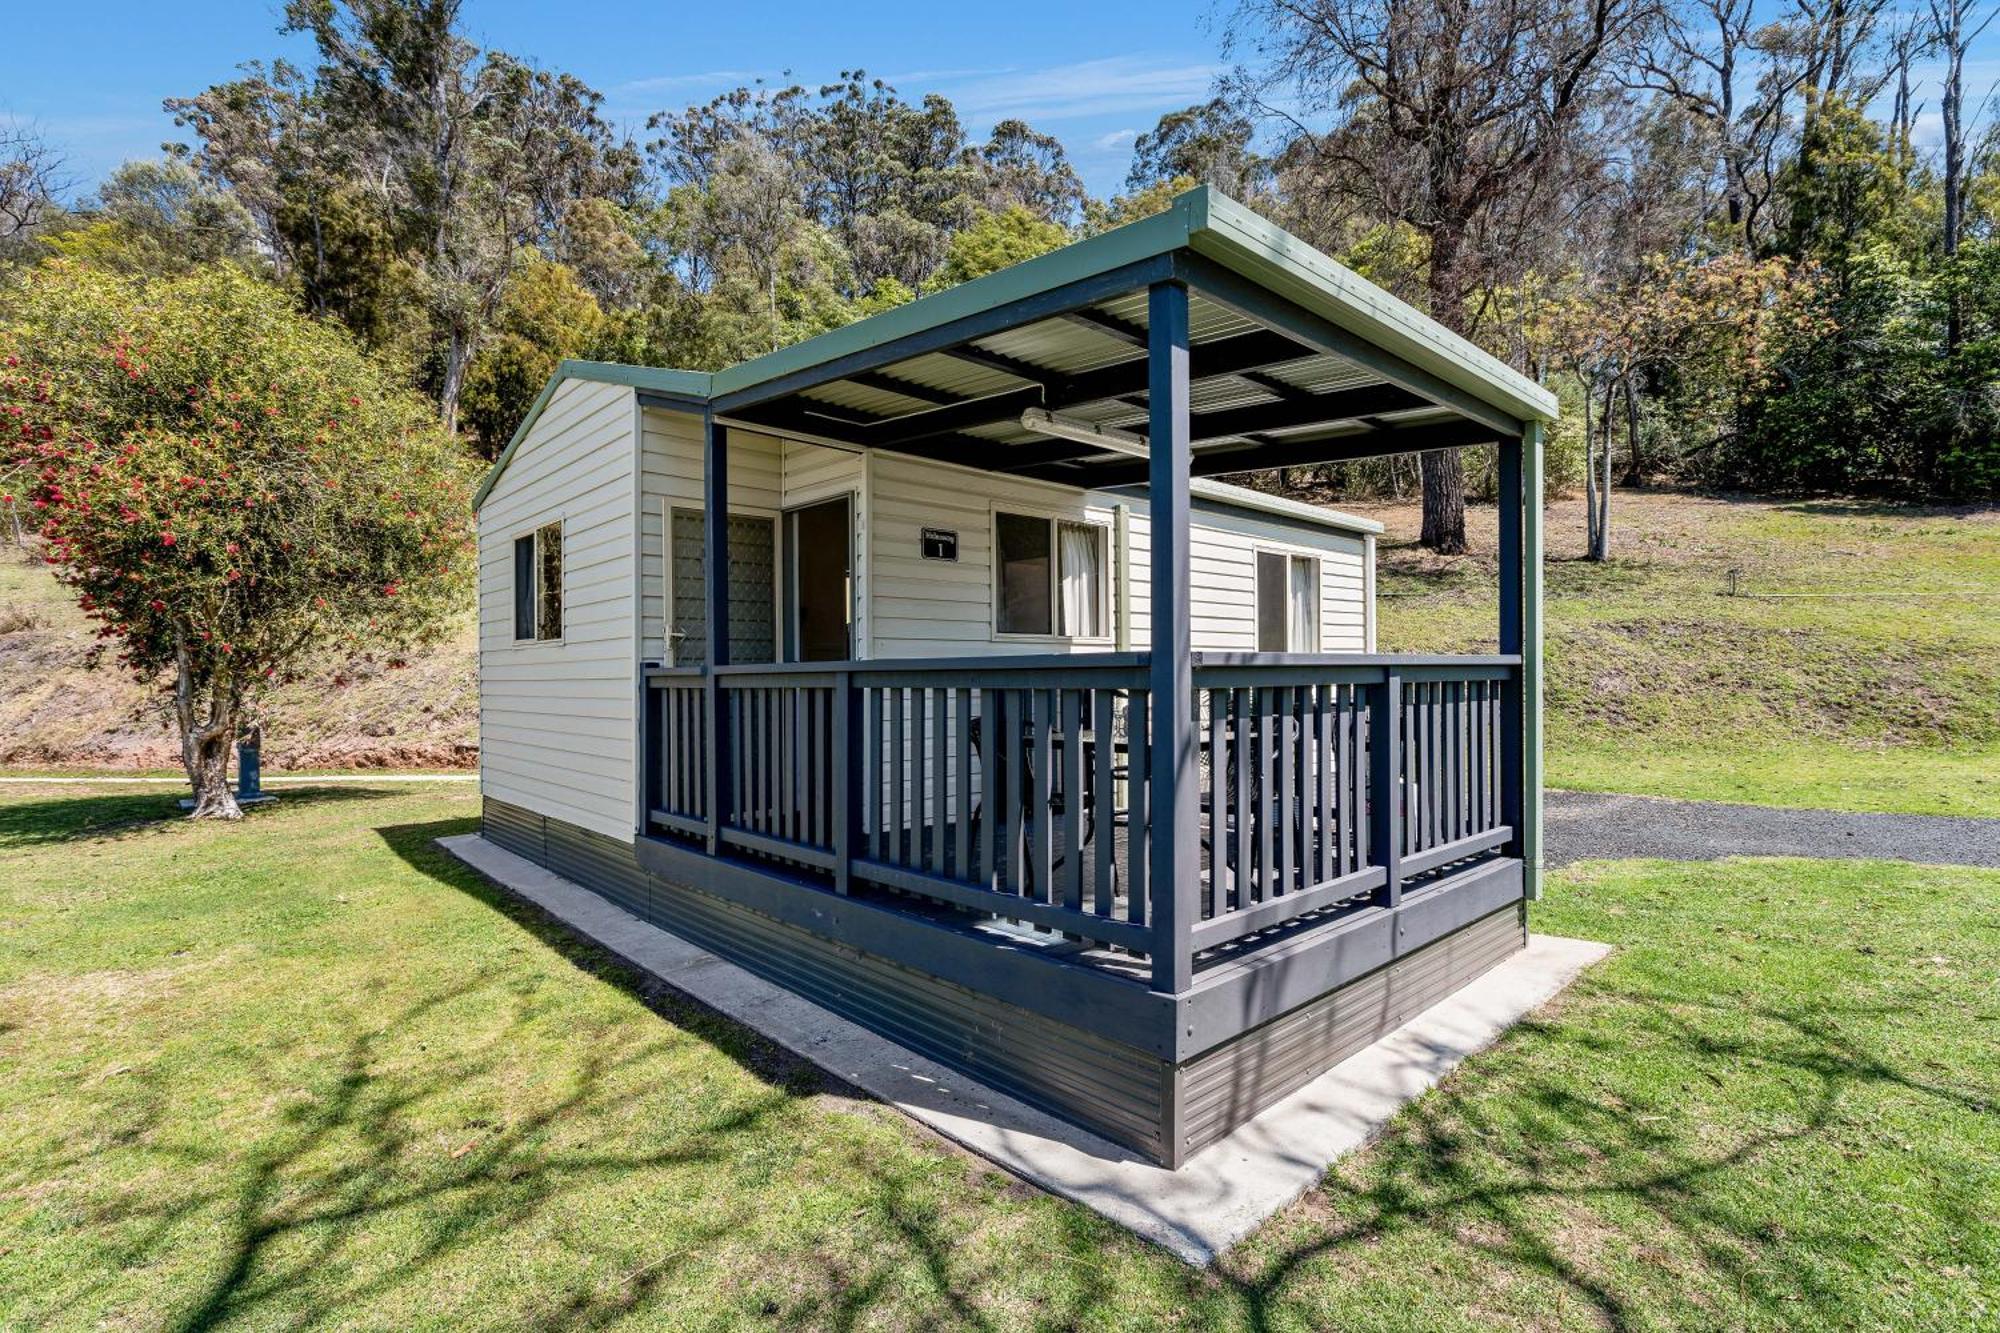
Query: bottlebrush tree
{"points": [[235, 492]]}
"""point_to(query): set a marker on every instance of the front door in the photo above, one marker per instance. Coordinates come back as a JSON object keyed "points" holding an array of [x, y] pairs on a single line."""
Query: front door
{"points": [[819, 545]]}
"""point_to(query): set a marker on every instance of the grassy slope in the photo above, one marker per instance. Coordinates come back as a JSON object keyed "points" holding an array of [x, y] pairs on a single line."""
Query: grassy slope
{"points": [[1660, 683], [307, 1068], [56, 712]]}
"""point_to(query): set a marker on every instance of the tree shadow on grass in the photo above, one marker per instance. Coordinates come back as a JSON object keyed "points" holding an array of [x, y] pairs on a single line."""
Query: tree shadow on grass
{"points": [[1552, 1176], [1849, 506], [357, 1152], [1521, 1177], [60, 819], [1520, 1166]]}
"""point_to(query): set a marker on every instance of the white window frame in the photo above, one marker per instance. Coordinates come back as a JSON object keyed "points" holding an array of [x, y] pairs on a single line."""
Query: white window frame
{"points": [[1291, 553], [1105, 575], [534, 532]]}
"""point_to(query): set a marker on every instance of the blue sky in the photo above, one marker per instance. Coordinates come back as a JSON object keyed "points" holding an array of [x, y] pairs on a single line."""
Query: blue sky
{"points": [[1093, 72], [91, 77]]}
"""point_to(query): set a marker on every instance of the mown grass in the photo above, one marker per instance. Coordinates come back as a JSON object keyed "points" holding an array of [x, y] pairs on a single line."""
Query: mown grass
{"points": [[308, 1070], [1858, 667]]}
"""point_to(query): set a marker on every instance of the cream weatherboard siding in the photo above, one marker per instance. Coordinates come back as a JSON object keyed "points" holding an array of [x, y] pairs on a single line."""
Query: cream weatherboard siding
{"points": [[931, 608], [558, 720]]}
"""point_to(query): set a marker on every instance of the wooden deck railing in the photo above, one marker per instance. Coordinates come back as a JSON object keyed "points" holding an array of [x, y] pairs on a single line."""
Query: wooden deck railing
{"points": [[1017, 787]]}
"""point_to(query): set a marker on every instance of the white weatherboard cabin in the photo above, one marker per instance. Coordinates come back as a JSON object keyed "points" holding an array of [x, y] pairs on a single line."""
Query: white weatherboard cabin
{"points": [[986, 718]]}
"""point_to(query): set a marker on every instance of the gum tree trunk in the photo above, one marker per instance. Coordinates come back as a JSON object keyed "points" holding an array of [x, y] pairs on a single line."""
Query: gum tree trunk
{"points": [[1444, 501], [207, 733], [1443, 470]]}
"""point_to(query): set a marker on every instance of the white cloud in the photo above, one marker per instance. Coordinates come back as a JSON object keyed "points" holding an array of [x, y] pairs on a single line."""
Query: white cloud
{"points": [[1107, 143], [714, 78], [1114, 85]]}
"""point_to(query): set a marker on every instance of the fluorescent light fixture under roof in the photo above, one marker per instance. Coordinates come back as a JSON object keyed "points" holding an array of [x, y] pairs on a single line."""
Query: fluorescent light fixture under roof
{"points": [[1108, 438]]}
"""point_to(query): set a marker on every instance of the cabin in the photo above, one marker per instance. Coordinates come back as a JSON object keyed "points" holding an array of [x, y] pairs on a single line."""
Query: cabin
{"points": [[926, 669]]}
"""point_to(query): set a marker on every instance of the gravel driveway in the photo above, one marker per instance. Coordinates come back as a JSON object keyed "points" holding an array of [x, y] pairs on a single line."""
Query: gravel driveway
{"points": [[1599, 825]]}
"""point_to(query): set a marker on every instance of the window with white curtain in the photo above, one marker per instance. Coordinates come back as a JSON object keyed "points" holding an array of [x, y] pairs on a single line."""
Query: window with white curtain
{"points": [[1303, 632], [1287, 603], [1051, 577], [1080, 580]]}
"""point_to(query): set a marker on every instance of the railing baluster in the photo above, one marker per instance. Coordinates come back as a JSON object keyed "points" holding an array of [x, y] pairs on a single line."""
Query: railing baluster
{"points": [[1243, 703], [961, 741], [1266, 705], [1326, 857], [1017, 841], [1139, 799], [1288, 746], [870, 795], [789, 729], [1104, 812], [1354, 788], [1072, 796], [989, 786], [1385, 771], [1041, 720], [844, 771]]}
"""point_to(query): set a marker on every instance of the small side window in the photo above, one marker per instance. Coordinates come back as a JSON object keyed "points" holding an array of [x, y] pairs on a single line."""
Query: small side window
{"points": [[1287, 603], [524, 587], [538, 557], [1271, 593]]}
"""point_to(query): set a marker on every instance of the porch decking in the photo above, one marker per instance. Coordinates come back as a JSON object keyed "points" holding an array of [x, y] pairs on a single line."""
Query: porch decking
{"points": [[1327, 784]]}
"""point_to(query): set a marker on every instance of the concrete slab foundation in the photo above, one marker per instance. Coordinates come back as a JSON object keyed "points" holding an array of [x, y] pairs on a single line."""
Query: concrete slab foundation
{"points": [[1197, 1212]]}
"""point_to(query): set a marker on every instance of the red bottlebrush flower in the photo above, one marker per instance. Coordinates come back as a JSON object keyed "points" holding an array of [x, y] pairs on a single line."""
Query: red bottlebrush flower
{"points": [[353, 402], [230, 547], [157, 604], [233, 575], [166, 539], [226, 648], [389, 589]]}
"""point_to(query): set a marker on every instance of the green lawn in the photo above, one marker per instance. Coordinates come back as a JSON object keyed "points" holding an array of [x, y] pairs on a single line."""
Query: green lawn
{"points": [[307, 1070], [1859, 670]]}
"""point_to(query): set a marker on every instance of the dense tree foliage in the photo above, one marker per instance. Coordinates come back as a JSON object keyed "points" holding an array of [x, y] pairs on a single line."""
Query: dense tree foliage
{"points": [[233, 489], [1707, 223]]}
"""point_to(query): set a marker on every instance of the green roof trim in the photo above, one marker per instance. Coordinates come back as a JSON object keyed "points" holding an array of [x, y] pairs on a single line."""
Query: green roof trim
{"points": [[681, 383], [1267, 254], [1202, 221], [1160, 234]]}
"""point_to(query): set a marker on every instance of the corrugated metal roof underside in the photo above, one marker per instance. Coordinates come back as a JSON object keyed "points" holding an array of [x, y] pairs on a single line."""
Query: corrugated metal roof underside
{"points": [[1052, 351]]}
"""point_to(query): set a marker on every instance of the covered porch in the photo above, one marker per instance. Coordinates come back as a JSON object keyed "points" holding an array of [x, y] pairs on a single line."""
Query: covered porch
{"points": [[1209, 874]]}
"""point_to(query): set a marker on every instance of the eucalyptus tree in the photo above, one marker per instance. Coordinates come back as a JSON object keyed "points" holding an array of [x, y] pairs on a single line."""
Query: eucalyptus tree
{"points": [[408, 151], [1208, 143], [31, 176], [1462, 120]]}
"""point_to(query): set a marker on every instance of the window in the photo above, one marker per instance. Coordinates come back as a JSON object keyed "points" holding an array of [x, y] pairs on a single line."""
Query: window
{"points": [[538, 584], [1287, 603], [1051, 577]]}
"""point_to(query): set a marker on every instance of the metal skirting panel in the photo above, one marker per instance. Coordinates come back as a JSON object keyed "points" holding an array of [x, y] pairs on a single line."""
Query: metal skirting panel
{"points": [[1111, 1088], [519, 831], [1228, 1085], [602, 864]]}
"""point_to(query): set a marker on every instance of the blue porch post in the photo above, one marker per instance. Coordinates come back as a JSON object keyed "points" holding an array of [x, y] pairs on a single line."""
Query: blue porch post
{"points": [[715, 581], [1175, 850], [1521, 633]]}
